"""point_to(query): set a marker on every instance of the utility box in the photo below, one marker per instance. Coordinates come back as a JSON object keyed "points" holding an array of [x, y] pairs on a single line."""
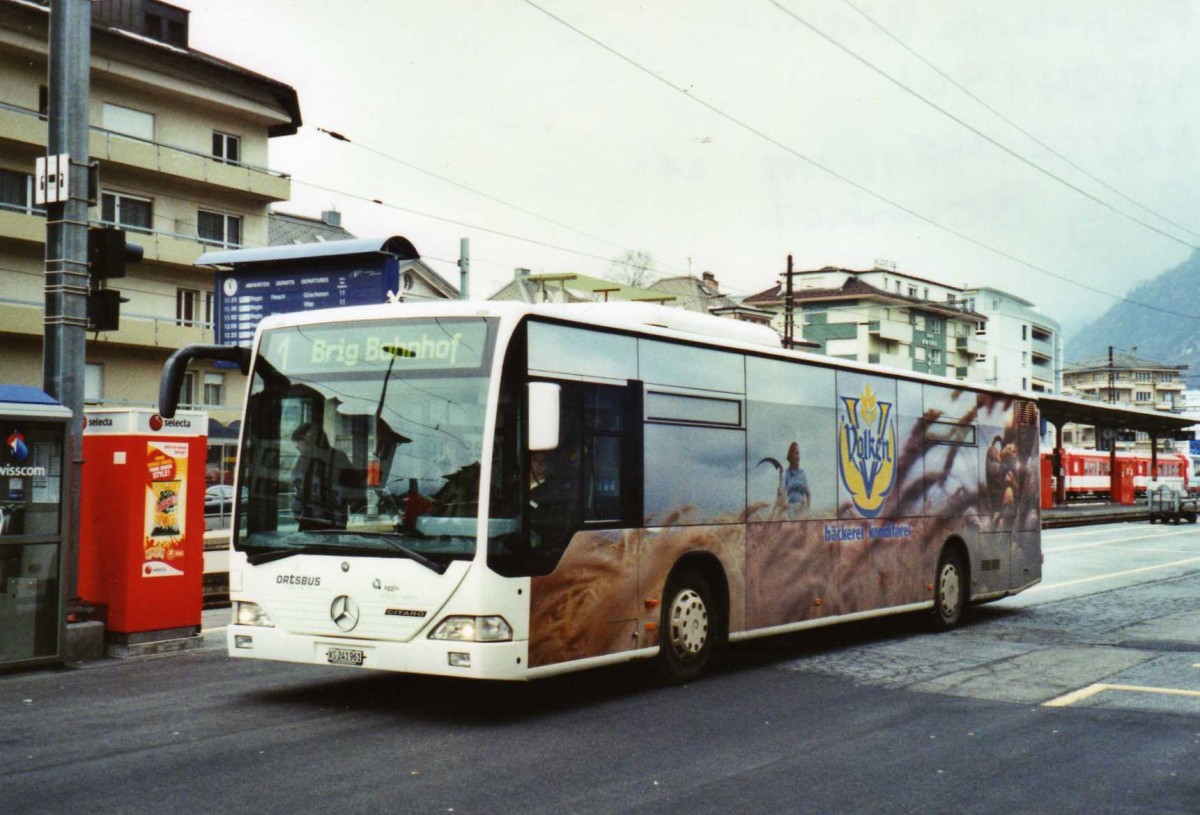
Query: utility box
{"points": [[141, 548], [33, 481]]}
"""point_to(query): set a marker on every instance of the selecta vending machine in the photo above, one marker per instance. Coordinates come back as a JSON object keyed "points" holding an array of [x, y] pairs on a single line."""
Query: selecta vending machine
{"points": [[141, 547]]}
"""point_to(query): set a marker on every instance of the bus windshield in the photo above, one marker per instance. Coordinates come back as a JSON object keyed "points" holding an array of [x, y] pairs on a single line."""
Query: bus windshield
{"points": [[365, 438]]}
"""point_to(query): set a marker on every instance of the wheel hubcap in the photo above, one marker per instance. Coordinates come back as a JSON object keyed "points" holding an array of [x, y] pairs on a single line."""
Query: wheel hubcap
{"points": [[688, 624], [950, 590]]}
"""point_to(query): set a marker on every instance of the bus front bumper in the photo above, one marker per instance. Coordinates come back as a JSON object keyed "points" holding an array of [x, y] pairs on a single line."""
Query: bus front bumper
{"points": [[476, 660]]}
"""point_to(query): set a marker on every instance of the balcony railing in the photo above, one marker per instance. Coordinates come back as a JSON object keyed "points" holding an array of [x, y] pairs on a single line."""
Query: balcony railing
{"points": [[155, 330], [163, 158]]}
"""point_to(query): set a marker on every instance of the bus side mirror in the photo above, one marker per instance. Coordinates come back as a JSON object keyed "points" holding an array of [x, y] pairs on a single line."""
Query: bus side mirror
{"points": [[543, 415]]}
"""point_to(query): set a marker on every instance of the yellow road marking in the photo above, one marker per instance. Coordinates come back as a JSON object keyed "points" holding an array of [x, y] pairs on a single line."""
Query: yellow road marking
{"points": [[1110, 575], [1071, 698]]}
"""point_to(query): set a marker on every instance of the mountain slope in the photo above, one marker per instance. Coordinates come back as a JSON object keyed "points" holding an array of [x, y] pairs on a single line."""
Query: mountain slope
{"points": [[1161, 337]]}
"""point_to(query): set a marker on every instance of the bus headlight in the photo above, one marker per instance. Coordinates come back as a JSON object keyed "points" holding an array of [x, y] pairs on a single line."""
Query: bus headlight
{"points": [[251, 614], [491, 628]]}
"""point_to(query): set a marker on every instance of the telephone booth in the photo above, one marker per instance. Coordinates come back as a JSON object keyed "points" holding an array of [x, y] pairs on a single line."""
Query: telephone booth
{"points": [[33, 479]]}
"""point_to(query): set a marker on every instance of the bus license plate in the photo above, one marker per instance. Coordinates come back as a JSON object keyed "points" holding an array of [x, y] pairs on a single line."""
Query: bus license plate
{"points": [[345, 656]]}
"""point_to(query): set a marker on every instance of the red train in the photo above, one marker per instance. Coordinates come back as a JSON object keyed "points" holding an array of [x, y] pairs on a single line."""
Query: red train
{"points": [[1088, 470]]}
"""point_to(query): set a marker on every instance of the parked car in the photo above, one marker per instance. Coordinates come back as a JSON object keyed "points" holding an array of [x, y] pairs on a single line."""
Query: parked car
{"points": [[218, 499]]}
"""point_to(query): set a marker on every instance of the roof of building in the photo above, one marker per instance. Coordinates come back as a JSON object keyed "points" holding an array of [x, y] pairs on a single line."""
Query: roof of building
{"points": [[574, 288], [856, 289], [1120, 360], [692, 293], [284, 228], [284, 94]]}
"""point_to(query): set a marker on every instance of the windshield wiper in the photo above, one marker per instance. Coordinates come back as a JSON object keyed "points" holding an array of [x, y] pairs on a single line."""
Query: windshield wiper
{"points": [[397, 546], [393, 547], [269, 555]]}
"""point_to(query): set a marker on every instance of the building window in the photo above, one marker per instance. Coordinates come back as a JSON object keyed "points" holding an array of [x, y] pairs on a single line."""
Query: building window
{"points": [[980, 328], [1024, 332], [912, 291], [16, 192], [935, 356], [219, 229], [214, 389], [187, 391], [93, 383], [128, 122], [43, 101], [1143, 396], [193, 307], [935, 325], [227, 148], [125, 211]]}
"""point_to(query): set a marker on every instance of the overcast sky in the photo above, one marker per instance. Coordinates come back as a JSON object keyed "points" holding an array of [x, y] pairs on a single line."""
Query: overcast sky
{"points": [[762, 137]]}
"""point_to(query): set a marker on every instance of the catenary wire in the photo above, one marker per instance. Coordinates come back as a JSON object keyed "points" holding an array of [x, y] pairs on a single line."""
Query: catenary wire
{"points": [[840, 176], [1023, 131], [990, 140]]}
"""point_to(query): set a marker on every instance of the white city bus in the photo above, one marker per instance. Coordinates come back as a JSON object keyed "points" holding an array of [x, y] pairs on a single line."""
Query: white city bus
{"points": [[505, 491]]}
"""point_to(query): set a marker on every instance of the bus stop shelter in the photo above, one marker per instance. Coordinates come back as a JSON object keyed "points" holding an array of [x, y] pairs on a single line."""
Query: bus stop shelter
{"points": [[1061, 410]]}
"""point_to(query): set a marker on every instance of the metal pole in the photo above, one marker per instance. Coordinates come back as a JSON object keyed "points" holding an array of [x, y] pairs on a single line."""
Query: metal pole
{"points": [[789, 324], [1112, 378], [66, 254], [464, 266]]}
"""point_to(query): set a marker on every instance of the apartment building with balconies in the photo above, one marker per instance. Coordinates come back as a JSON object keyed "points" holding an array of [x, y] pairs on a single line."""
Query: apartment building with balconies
{"points": [[880, 316], [1022, 348], [1122, 378], [181, 139]]}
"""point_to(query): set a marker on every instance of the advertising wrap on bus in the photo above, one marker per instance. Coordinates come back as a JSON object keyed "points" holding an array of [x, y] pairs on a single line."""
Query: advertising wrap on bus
{"points": [[397, 510], [851, 495]]}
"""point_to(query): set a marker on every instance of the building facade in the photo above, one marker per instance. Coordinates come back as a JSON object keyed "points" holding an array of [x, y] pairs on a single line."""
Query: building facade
{"points": [[882, 317], [1122, 379], [181, 139], [1022, 347]]}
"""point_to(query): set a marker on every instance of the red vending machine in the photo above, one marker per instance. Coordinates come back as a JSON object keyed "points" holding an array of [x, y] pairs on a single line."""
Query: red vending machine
{"points": [[141, 541]]}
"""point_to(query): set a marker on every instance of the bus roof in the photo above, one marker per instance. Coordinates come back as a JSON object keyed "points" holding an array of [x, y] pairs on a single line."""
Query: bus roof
{"points": [[646, 318]]}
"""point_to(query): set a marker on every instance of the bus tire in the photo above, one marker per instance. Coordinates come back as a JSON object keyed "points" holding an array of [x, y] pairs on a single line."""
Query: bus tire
{"points": [[688, 631], [949, 590]]}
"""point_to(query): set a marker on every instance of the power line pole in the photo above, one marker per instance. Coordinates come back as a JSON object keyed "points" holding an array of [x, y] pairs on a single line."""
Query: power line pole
{"points": [[66, 285], [1112, 378], [789, 323]]}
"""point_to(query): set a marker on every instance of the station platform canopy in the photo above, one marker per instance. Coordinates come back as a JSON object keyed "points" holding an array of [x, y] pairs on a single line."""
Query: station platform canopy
{"points": [[1060, 410]]}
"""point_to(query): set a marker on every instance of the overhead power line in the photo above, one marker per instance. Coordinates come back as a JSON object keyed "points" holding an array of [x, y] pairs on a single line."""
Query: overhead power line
{"points": [[1024, 132], [1005, 148], [472, 190], [688, 93]]}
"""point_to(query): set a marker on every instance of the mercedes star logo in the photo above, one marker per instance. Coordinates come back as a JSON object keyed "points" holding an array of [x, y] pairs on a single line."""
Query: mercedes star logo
{"points": [[344, 613]]}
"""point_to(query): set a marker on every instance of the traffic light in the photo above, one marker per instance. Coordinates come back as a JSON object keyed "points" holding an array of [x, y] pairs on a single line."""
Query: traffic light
{"points": [[108, 252]]}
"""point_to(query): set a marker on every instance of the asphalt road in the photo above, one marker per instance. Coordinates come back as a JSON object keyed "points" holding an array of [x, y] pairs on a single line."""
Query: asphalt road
{"points": [[1082, 696]]}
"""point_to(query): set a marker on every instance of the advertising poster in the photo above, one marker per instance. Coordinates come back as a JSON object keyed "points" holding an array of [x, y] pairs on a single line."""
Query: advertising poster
{"points": [[167, 474]]}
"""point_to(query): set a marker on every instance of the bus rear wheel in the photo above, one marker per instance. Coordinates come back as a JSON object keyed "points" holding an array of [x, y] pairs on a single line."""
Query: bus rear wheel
{"points": [[949, 590], [687, 633]]}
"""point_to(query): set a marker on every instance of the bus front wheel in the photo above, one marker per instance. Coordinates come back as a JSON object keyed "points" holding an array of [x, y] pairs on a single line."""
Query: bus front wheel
{"points": [[687, 632], [949, 590]]}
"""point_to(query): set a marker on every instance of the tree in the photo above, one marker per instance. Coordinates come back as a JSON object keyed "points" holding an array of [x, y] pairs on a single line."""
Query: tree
{"points": [[633, 268]]}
